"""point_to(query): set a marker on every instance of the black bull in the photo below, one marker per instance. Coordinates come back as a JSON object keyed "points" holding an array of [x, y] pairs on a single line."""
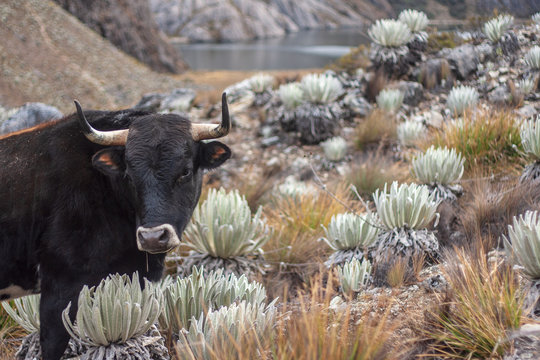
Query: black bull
{"points": [[73, 211]]}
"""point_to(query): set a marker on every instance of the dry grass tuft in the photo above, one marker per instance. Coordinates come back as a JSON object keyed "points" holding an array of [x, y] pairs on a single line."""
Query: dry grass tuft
{"points": [[484, 304], [374, 171], [314, 331], [488, 207], [10, 333], [397, 271], [297, 222], [379, 127], [488, 139], [376, 84]]}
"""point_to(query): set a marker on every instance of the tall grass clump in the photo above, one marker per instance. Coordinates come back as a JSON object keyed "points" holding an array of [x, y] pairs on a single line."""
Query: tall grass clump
{"points": [[460, 99], [532, 58], [405, 211], [440, 169], [223, 233], [116, 318], [490, 139], [483, 307], [389, 49], [297, 220], [350, 235], [390, 99], [377, 127], [530, 139]]}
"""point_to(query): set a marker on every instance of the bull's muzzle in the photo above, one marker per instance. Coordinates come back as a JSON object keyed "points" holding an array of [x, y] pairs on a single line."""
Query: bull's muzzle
{"points": [[157, 239]]}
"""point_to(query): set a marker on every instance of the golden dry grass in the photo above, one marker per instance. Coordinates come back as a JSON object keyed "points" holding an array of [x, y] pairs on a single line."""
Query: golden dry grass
{"points": [[485, 303], [488, 140], [10, 333], [297, 222], [379, 127]]}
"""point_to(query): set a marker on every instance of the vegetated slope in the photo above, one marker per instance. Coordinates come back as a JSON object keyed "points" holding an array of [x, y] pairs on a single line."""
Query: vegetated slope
{"points": [[130, 25], [47, 55]]}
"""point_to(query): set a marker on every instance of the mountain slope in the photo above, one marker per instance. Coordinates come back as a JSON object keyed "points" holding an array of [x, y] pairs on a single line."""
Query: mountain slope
{"points": [[49, 56]]}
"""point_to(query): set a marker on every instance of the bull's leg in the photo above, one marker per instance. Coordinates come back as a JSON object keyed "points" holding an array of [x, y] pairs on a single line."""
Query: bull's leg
{"points": [[55, 297]]}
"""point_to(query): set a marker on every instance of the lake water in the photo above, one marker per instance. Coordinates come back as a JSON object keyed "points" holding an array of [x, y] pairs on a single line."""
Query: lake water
{"points": [[301, 50]]}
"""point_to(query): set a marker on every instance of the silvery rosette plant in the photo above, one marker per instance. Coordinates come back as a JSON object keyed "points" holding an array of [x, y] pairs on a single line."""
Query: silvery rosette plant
{"points": [[296, 189], [461, 98], [389, 45], [527, 85], [26, 314], [223, 233], [354, 275], [405, 211], [350, 235], [496, 30], [410, 132], [261, 86], [532, 58], [390, 99], [317, 118], [291, 96], [334, 148], [192, 296], [536, 18], [530, 139], [223, 331], [115, 320], [523, 247], [417, 21], [440, 169]]}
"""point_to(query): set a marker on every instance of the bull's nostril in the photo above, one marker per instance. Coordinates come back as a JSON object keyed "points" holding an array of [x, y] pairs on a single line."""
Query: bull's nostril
{"points": [[164, 238], [152, 235]]}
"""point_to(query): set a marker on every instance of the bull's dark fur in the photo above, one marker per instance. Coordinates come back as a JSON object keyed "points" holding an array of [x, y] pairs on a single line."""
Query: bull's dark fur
{"points": [[68, 214]]}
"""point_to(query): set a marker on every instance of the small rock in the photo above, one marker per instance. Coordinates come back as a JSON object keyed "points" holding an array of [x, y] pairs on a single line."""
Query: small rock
{"points": [[527, 111], [269, 141], [463, 60], [28, 115], [413, 92], [500, 95], [435, 283]]}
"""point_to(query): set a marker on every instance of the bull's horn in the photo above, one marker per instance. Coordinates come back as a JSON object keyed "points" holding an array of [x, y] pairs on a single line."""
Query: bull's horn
{"points": [[114, 137], [211, 131]]}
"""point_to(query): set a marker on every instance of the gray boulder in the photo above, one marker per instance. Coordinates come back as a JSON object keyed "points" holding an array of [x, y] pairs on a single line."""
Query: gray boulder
{"points": [[28, 115], [463, 60], [413, 92], [500, 95], [178, 100]]}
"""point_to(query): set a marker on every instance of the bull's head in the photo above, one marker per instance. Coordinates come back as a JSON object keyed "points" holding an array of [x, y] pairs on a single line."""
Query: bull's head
{"points": [[161, 160]]}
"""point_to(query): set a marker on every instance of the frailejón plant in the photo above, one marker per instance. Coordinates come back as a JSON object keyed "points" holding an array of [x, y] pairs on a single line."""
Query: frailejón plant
{"points": [[350, 231], [261, 82], [26, 312], [410, 132], [495, 28], [320, 88], [222, 331], [438, 166], [536, 18], [354, 275], [390, 99], [114, 311], [190, 297], [532, 58], [291, 95], [527, 85], [390, 33], [293, 188], [524, 243], [405, 205], [530, 137], [415, 20], [335, 148], [461, 98], [223, 226]]}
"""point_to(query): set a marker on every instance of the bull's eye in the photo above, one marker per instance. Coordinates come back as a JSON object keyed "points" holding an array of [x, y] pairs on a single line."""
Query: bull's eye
{"points": [[184, 177]]}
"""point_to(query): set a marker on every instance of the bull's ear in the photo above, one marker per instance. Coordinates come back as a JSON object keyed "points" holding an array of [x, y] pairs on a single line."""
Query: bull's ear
{"points": [[110, 161], [213, 154]]}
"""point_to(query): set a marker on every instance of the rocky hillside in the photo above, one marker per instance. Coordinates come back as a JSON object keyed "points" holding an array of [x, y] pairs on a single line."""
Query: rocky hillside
{"points": [[236, 20], [239, 20], [128, 24], [49, 56]]}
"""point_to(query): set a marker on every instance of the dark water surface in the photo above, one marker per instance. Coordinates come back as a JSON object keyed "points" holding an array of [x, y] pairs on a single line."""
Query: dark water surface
{"points": [[306, 49]]}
